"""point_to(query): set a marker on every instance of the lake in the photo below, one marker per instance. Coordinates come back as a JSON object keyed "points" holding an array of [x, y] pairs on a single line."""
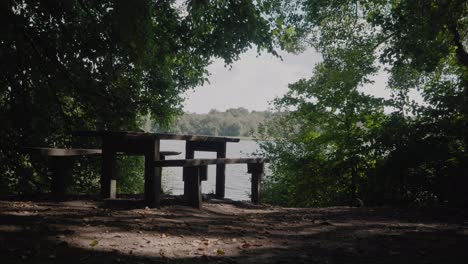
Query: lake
{"points": [[237, 178]]}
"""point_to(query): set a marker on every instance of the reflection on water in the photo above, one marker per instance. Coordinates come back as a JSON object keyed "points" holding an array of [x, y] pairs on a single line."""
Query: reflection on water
{"points": [[237, 178]]}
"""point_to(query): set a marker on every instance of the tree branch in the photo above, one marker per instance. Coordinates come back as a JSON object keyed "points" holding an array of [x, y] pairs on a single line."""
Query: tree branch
{"points": [[383, 40], [461, 53]]}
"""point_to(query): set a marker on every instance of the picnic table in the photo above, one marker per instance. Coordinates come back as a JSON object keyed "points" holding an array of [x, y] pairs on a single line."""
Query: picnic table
{"points": [[148, 145]]}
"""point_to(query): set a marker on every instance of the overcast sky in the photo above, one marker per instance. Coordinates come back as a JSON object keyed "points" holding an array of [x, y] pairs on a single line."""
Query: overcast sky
{"points": [[253, 81]]}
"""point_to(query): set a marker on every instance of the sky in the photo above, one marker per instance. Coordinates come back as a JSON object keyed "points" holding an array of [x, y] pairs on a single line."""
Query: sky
{"points": [[254, 81]]}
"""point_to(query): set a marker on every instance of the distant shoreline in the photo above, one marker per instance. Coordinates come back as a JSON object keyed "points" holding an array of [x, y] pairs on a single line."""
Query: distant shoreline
{"points": [[239, 137]]}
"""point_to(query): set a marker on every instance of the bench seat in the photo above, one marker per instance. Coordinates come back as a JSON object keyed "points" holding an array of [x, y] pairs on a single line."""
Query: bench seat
{"points": [[61, 152], [60, 165], [197, 171], [204, 162]]}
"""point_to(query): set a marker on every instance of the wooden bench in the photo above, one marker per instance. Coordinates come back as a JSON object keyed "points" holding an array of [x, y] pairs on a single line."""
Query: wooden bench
{"points": [[197, 171], [60, 165]]}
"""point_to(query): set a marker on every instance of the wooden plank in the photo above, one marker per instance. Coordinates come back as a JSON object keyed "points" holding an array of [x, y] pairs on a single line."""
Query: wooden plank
{"points": [[113, 189], [169, 153], [61, 169], [189, 154], [256, 169], [203, 162], [152, 175], [203, 172], [204, 146], [61, 152], [109, 159], [220, 172], [100, 133], [130, 145], [196, 138], [162, 153], [192, 187]]}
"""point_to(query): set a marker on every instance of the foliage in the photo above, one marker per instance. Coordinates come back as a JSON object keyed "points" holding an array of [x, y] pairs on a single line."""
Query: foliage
{"points": [[233, 122], [75, 65], [329, 151], [326, 155]]}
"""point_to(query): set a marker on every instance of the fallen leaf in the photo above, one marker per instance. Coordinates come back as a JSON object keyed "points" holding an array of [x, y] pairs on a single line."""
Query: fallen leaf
{"points": [[94, 243], [220, 252]]}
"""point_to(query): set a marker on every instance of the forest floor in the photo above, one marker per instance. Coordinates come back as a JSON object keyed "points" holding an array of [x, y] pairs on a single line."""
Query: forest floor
{"points": [[124, 231]]}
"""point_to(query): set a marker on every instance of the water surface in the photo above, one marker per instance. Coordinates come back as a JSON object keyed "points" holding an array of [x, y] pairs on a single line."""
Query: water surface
{"points": [[237, 178]]}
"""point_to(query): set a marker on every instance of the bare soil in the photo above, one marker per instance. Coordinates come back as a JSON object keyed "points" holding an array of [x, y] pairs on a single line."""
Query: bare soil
{"points": [[124, 231]]}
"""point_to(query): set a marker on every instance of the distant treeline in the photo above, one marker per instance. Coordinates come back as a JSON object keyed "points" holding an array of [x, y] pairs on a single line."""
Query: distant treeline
{"points": [[232, 122]]}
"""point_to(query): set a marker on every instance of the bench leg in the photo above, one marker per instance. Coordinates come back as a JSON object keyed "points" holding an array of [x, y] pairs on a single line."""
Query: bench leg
{"points": [[221, 172], [108, 177], [186, 171], [152, 177], [203, 172], [257, 174], [159, 171], [192, 186], [113, 188], [61, 170]]}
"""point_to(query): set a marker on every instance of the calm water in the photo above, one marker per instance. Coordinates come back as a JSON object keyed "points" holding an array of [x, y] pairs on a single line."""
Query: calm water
{"points": [[237, 178]]}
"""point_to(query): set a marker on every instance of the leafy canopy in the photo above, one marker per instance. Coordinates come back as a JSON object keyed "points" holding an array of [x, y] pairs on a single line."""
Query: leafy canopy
{"points": [[74, 64], [336, 144]]}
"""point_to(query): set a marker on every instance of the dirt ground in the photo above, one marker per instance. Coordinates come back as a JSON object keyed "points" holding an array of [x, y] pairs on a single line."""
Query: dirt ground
{"points": [[124, 231]]}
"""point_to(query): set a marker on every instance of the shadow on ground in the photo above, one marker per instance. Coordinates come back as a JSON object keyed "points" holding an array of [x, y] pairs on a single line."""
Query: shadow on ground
{"points": [[87, 230]]}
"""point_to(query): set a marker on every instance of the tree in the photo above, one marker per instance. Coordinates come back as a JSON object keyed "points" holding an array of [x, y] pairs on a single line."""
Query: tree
{"points": [[76, 64], [327, 152], [420, 35], [430, 37], [426, 35], [232, 122], [422, 45]]}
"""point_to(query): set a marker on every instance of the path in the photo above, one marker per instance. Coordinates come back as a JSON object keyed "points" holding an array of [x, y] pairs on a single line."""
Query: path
{"points": [[88, 231]]}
